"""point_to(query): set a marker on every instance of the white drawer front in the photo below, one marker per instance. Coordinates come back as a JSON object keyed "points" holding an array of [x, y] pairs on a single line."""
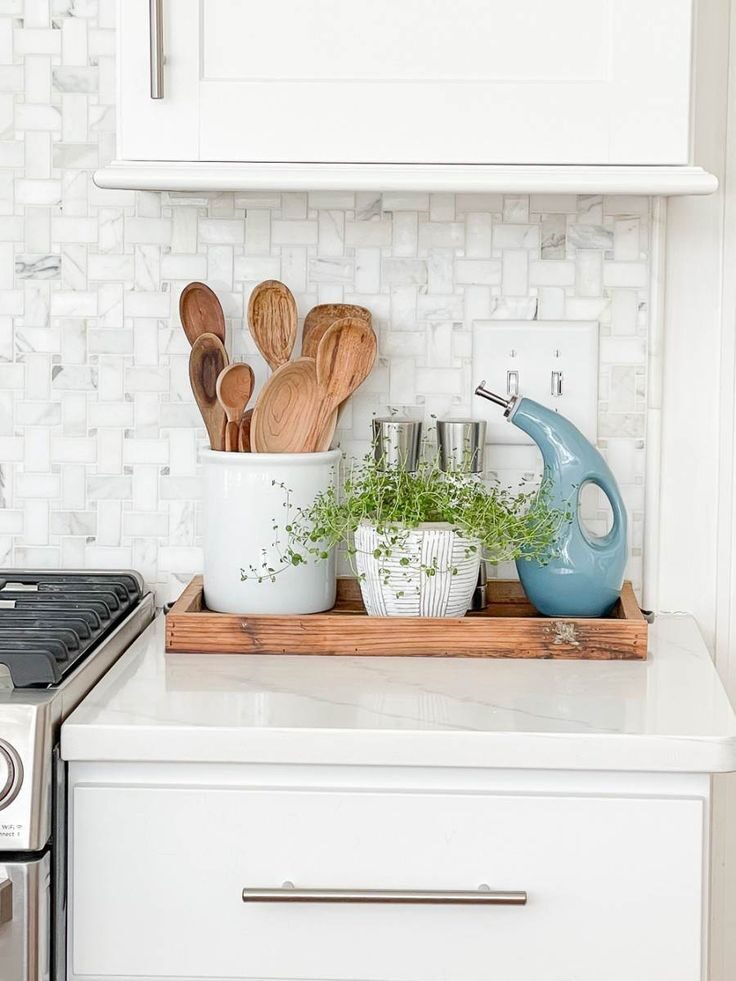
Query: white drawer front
{"points": [[614, 885]]}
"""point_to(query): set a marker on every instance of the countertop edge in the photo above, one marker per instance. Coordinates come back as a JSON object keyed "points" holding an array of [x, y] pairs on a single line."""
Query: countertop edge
{"points": [[395, 748]]}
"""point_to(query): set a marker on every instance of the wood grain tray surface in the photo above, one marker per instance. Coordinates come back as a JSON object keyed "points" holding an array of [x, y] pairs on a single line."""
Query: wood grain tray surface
{"points": [[509, 627]]}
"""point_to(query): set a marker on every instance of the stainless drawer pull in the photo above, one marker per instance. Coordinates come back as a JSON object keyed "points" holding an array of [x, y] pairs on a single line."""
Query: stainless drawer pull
{"points": [[156, 36], [6, 901], [412, 897]]}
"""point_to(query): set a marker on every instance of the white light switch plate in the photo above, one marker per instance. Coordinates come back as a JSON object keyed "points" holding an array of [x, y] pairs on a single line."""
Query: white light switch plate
{"points": [[534, 350]]}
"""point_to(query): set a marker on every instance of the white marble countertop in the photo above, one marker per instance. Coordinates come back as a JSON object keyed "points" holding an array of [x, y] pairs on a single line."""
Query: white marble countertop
{"points": [[669, 713]]}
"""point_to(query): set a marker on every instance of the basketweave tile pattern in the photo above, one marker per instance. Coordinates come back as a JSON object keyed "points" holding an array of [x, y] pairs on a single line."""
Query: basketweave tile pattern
{"points": [[98, 431]]}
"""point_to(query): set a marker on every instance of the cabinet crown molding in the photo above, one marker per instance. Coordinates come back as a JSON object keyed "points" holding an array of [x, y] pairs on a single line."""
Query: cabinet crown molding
{"points": [[176, 175]]}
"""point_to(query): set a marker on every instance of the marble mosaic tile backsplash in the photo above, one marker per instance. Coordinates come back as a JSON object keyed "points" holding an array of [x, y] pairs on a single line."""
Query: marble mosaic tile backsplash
{"points": [[99, 434]]}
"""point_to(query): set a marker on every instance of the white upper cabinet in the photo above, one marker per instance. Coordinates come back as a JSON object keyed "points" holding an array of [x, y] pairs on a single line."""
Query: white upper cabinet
{"points": [[422, 83]]}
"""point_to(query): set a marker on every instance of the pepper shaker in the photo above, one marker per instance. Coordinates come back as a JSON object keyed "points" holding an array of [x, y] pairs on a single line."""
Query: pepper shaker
{"points": [[397, 442], [461, 444]]}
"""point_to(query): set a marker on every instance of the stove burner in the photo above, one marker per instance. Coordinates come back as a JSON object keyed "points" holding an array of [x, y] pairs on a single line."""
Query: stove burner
{"points": [[49, 622]]}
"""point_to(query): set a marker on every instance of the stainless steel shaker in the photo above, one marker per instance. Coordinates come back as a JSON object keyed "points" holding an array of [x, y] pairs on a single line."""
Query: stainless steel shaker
{"points": [[461, 445], [397, 442]]}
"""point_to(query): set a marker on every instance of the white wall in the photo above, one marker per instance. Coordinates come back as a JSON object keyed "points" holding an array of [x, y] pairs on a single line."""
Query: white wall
{"points": [[695, 370], [697, 526]]}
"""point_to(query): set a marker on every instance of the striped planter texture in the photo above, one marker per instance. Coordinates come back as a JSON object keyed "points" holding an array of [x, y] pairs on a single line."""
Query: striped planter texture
{"points": [[391, 588]]}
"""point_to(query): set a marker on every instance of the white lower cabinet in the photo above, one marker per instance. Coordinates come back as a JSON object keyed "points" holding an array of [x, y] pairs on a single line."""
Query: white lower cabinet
{"points": [[614, 881]]}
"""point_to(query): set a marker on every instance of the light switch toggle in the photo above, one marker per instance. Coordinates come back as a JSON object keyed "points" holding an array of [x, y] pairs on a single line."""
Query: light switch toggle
{"points": [[556, 384], [512, 383]]}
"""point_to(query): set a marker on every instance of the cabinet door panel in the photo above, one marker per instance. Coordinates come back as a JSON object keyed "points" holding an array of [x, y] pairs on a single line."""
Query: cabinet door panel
{"points": [[650, 99], [158, 129], [410, 41], [614, 885], [445, 81]]}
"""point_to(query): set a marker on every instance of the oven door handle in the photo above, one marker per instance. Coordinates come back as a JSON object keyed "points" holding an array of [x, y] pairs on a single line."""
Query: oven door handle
{"points": [[6, 901]]}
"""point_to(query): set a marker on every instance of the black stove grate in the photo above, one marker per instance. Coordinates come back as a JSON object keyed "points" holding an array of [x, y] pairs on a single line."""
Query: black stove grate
{"points": [[49, 622]]}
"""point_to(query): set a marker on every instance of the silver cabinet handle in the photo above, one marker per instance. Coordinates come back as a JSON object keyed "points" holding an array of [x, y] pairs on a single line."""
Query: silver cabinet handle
{"points": [[412, 897], [6, 901], [156, 35]]}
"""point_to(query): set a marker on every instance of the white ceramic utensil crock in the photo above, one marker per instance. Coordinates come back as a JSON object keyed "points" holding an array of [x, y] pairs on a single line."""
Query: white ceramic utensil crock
{"points": [[245, 496]]}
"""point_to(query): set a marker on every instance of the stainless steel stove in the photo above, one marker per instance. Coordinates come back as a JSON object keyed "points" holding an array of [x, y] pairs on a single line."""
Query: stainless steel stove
{"points": [[59, 633]]}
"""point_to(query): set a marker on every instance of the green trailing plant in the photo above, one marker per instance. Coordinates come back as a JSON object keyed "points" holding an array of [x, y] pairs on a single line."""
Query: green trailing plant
{"points": [[503, 524]]}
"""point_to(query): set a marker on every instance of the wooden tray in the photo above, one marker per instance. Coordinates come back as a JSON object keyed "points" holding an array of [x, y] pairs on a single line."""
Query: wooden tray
{"points": [[510, 627]]}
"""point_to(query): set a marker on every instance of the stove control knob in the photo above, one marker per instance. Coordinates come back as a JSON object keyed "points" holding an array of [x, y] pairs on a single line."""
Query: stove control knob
{"points": [[11, 774]]}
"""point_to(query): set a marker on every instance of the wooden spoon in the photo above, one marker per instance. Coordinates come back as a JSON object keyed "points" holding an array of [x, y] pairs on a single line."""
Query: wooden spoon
{"points": [[316, 323], [345, 357], [246, 421], [207, 360], [325, 440], [286, 408], [323, 316], [201, 312], [234, 389], [272, 320]]}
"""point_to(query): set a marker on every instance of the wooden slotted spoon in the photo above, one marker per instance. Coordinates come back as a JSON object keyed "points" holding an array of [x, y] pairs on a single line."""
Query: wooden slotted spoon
{"points": [[286, 409], [234, 389], [200, 312], [345, 357], [272, 319], [321, 317], [206, 362]]}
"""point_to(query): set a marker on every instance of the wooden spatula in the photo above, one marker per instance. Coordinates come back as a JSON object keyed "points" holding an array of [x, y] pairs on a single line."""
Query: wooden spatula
{"points": [[323, 316], [345, 358], [286, 409], [272, 319], [206, 362], [234, 389], [201, 312]]}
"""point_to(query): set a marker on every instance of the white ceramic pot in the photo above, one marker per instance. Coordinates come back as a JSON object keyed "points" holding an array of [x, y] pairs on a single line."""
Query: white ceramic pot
{"points": [[393, 587], [243, 500]]}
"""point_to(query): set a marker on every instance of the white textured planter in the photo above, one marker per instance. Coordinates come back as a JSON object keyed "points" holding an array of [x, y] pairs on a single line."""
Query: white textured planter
{"points": [[241, 506], [391, 589]]}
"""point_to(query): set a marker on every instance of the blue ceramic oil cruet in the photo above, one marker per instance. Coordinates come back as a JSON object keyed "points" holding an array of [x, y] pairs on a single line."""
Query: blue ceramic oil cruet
{"points": [[584, 578]]}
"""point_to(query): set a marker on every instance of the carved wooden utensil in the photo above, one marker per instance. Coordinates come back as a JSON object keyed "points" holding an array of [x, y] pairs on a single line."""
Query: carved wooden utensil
{"points": [[206, 362], [286, 409], [345, 357], [200, 312], [323, 316], [325, 440], [244, 425], [272, 319], [316, 324], [234, 389]]}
